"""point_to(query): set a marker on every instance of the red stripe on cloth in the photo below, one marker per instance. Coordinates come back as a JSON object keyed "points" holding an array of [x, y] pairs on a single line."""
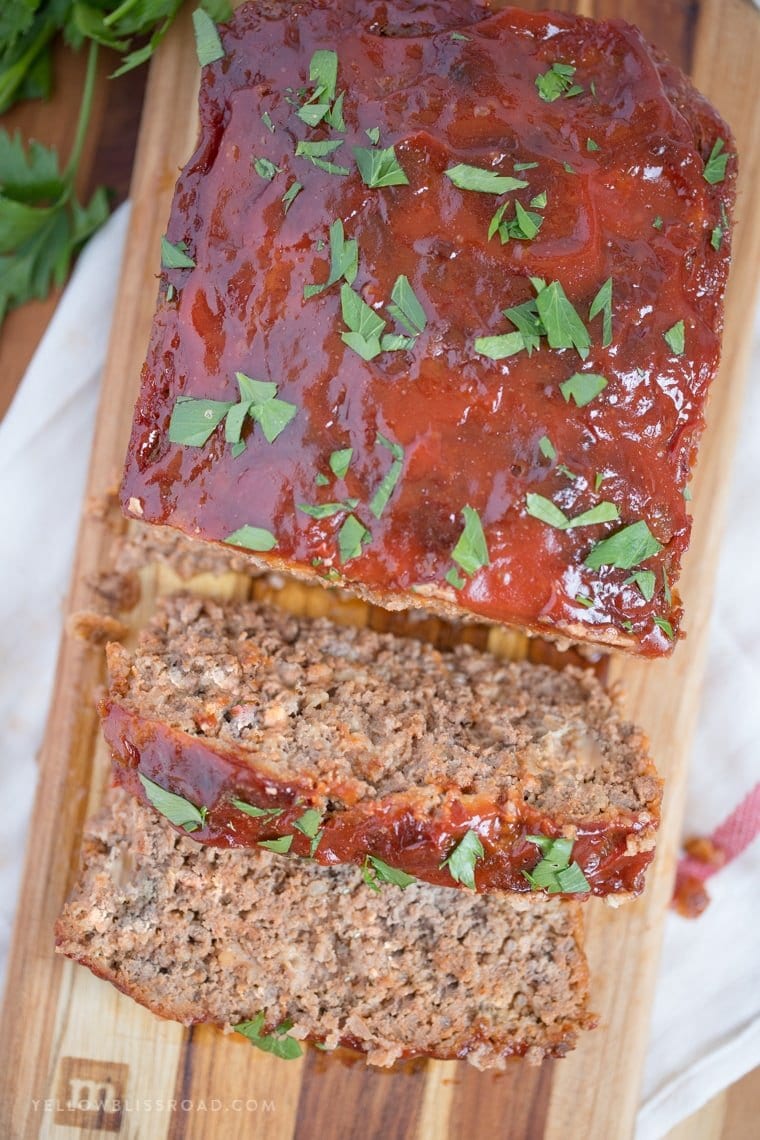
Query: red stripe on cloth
{"points": [[731, 837]]}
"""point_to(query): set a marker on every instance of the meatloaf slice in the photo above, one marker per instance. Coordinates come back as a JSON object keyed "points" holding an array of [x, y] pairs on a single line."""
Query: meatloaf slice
{"points": [[440, 312], [202, 935], [343, 743]]}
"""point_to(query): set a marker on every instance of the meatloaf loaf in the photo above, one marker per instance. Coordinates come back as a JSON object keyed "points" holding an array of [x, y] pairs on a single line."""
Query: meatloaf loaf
{"points": [[352, 746], [196, 935], [439, 311]]}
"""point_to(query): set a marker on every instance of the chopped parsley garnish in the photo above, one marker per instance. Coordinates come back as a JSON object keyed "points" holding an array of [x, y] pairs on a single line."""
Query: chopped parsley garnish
{"points": [[454, 578], [525, 166], [523, 227], [321, 480], [308, 823], [252, 538], [582, 387], [665, 626], [666, 587], [208, 45], [459, 36], [645, 580], [599, 479], [350, 538], [262, 405], [584, 600], [486, 181], [277, 1042], [462, 859], [602, 303], [564, 328], [363, 323], [557, 82], [715, 167], [375, 872], [546, 447], [323, 74], [390, 479], [540, 200], [380, 167], [328, 510], [176, 809], [174, 255], [675, 338], [716, 237], [291, 194], [339, 461], [257, 812], [471, 550], [405, 307], [547, 511], [525, 318], [315, 152], [265, 169], [266, 119], [500, 347], [568, 168], [193, 421], [280, 846], [373, 134], [625, 549], [591, 145], [555, 873], [344, 260], [658, 223]]}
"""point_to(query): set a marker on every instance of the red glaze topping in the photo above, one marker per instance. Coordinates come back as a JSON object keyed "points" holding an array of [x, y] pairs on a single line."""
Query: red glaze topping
{"points": [[410, 838], [621, 163]]}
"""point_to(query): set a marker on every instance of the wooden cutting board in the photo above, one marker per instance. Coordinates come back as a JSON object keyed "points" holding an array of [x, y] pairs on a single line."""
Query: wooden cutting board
{"points": [[73, 1039]]}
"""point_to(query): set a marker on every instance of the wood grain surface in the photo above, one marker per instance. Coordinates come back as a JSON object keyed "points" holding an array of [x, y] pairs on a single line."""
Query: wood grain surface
{"points": [[70, 1033]]}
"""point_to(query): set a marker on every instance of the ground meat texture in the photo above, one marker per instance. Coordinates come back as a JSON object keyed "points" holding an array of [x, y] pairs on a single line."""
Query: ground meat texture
{"points": [[398, 747], [621, 161], [196, 935]]}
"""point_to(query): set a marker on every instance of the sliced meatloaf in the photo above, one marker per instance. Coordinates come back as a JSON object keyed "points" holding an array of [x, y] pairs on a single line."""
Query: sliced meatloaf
{"points": [[439, 313], [343, 743], [295, 952]]}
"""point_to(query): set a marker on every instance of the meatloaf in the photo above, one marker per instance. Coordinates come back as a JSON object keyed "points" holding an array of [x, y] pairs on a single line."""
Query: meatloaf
{"points": [[196, 935], [350, 746], [440, 305]]}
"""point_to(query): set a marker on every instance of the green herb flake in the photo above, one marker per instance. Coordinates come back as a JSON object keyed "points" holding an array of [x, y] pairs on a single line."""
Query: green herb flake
{"points": [[666, 588], [280, 846], [459, 36], [265, 169], [471, 550], [546, 447], [405, 307], [554, 872], [601, 513], [645, 581], [363, 323], [715, 167], [687, 494], [658, 223], [266, 119], [568, 168], [462, 859], [291, 194], [566, 471], [546, 511], [193, 421], [525, 318], [625, 549], [525, 166], [208, 45], [257, 812], [540, 200], [174, 255], [485, 181], [340, 460], [564, 328], [627, 626], [316, 153], [717, 235], [557, 82], [661, 622], [500, 347], [375, 872], [584, 601], [599, 479], [321, 480], [675, 338], [591, 145], [455, 579], [380, 168], [350, 538], [390, 479], [176, 809], [602, 303], [327, 510], [582, 387], [252, 538], [373, 134], [308, 823], [323, 71], [344, 260], [277, 1042]]}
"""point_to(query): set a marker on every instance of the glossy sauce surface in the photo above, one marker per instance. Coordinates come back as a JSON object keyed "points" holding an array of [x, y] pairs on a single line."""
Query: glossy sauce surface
{"points": [[470, 427], [410, 837]]}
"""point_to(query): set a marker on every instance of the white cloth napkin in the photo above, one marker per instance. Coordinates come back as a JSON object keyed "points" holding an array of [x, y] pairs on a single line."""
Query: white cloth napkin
{"points": [[706, 1028]]}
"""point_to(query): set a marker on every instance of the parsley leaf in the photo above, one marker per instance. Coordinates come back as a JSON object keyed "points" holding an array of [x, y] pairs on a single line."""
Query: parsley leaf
{"points": [[523, 227], [308, 823], [266, 119], [525, 318], [675, 338], [257, 812], [564, 328], [373, 134], [279, 846], [602, 303], [665, 626], [315, 152], [375, 871], [556, 82], [645, 580], [554, 873], [363, 322], [208, 45], [380, 167], [265, 169], [252, 538], [462, 859], [658, 223], [291, 194], [339, 461], [174, 256], [176, 809], [344, 260], [717, 235], [193, 421], [350, 538], [405, 308], [715, 167], [582, 387], [471, 550], [548, 512], [500, 347], [591, 145], [277, 1042], [546, 447], [454, 578], [327, 510], [390, 479], [625, 549], [486, 181]]}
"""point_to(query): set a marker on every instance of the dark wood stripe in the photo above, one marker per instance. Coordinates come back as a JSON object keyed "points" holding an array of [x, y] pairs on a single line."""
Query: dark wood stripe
{"points": [[336, 1091], [512, 1105], [183, 1087]]}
